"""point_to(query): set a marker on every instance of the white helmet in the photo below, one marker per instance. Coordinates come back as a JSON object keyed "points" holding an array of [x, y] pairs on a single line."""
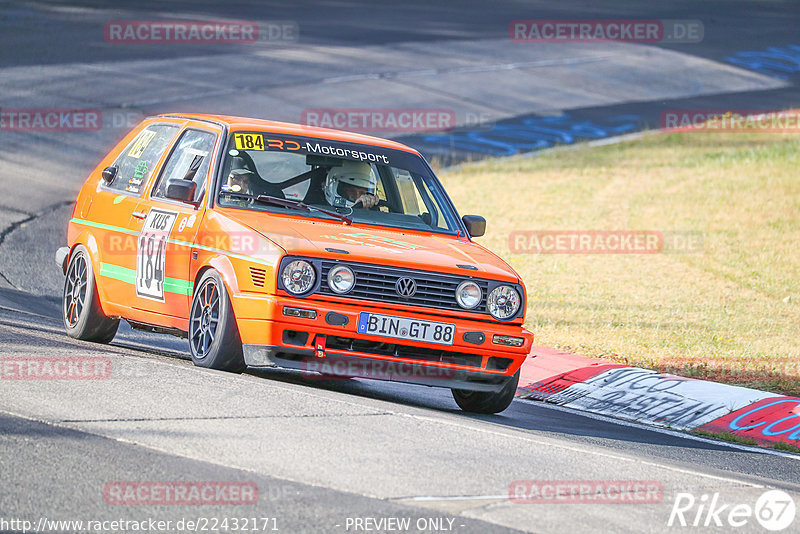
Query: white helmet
{"points": [[355, 173]]}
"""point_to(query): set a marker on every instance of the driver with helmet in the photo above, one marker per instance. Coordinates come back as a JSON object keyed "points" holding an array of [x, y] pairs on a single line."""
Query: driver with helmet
{"points": [[351, 183]]}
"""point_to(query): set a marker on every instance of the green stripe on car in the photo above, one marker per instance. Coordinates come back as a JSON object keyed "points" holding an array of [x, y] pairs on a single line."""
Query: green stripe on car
{"points": [[171, 285], [172, 241]]}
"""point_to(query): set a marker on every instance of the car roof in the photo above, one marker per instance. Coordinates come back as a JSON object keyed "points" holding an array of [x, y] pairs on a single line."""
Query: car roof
{"points": [[244, 123]]}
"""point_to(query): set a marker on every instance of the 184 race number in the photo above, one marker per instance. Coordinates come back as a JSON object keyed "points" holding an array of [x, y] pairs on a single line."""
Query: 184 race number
{"points": [[249, 141], [151, 253]]}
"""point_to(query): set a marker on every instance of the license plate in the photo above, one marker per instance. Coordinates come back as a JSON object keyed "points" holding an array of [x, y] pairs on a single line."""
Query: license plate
{"points": [[405, 328]]}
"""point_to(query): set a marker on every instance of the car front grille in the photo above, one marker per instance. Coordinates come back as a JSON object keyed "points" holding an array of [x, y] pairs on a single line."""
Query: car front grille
{"points": [[434, 290]]}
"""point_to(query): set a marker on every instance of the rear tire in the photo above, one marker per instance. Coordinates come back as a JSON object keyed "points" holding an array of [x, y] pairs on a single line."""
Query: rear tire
{"points": [[80, 308], [487, 401], [213, 335]]}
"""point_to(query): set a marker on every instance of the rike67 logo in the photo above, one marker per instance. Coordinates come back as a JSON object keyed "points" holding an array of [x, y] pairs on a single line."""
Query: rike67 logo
{"points": [[774, 510]]}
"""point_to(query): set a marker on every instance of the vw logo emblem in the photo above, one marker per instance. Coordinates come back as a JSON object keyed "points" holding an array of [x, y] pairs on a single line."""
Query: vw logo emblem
{"points": [[405, 287]]}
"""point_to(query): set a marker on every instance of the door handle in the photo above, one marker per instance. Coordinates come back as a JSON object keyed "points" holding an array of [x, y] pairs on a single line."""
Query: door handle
{"points": [[139, 215]]}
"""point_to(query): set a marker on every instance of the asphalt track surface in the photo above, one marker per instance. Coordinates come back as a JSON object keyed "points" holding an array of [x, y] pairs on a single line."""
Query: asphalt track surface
{"points": [[321, 452]]}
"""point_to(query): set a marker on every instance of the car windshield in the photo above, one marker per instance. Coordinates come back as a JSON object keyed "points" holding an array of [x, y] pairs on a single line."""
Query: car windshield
{"points": [[361, 183]]}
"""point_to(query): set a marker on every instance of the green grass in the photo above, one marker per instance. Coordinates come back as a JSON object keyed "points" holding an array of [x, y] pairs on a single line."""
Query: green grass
{"points": [[729, 436], [726, 436], [783, 446], [728, 312]]}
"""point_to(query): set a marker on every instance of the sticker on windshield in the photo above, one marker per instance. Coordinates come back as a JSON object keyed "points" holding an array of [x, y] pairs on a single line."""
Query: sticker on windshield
{"points": [[151, 254], [246, 141], [349, 153], [141, 143], [141, 169]]}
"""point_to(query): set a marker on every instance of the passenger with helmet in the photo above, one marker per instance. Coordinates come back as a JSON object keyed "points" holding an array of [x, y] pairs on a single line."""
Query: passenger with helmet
{"points": [[351, 183], [240, 181]]}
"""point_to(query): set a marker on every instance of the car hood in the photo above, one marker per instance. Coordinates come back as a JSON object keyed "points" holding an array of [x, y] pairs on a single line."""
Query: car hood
{"points": [[320, 238]]}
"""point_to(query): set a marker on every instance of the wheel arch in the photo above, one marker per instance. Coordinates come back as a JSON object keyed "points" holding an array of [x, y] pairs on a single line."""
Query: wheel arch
{"points": [[221, 264], [89, 242]]}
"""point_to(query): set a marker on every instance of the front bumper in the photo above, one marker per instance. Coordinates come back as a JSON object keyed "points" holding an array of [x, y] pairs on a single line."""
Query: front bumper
{"points": [[336, 365], [473, 361], [62, 255]]}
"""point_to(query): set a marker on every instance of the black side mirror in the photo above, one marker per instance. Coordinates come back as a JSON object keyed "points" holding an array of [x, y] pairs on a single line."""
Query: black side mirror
{"points": [[109, 173], [182, 190], [476, 225]]}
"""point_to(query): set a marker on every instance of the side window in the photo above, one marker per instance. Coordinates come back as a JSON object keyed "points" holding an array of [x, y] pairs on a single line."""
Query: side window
{"points": [[418, 200], [189, 161], [135, 164], [426, 197]]}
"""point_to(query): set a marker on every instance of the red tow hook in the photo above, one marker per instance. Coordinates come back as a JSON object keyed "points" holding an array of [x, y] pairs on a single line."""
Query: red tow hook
{"points": [[319, 346]]}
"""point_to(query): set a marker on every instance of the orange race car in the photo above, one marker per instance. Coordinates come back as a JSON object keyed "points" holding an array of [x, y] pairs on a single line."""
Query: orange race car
{"points": [[271, 244]]}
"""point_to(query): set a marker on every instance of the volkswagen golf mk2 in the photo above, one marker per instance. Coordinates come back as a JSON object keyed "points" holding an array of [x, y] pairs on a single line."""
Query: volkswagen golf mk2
{"points": [[277, 245]]}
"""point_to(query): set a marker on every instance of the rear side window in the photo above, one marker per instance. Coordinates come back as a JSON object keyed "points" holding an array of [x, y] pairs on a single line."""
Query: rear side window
{"points": [[135, 164], [189, 161]]}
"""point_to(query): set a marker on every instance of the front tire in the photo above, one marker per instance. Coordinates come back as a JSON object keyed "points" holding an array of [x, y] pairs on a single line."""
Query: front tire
{"points": [[213, 335], [487, 401], [80, 308]]}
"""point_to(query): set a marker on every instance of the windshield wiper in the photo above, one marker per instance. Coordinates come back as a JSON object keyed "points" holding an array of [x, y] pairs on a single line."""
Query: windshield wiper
{"points": [[295, 204], [284, 203]]}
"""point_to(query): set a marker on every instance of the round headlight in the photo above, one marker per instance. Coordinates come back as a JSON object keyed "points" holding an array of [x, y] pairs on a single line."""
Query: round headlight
{"points": [[503, 302], [468, 294], [341, 279], [298, 277]]}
